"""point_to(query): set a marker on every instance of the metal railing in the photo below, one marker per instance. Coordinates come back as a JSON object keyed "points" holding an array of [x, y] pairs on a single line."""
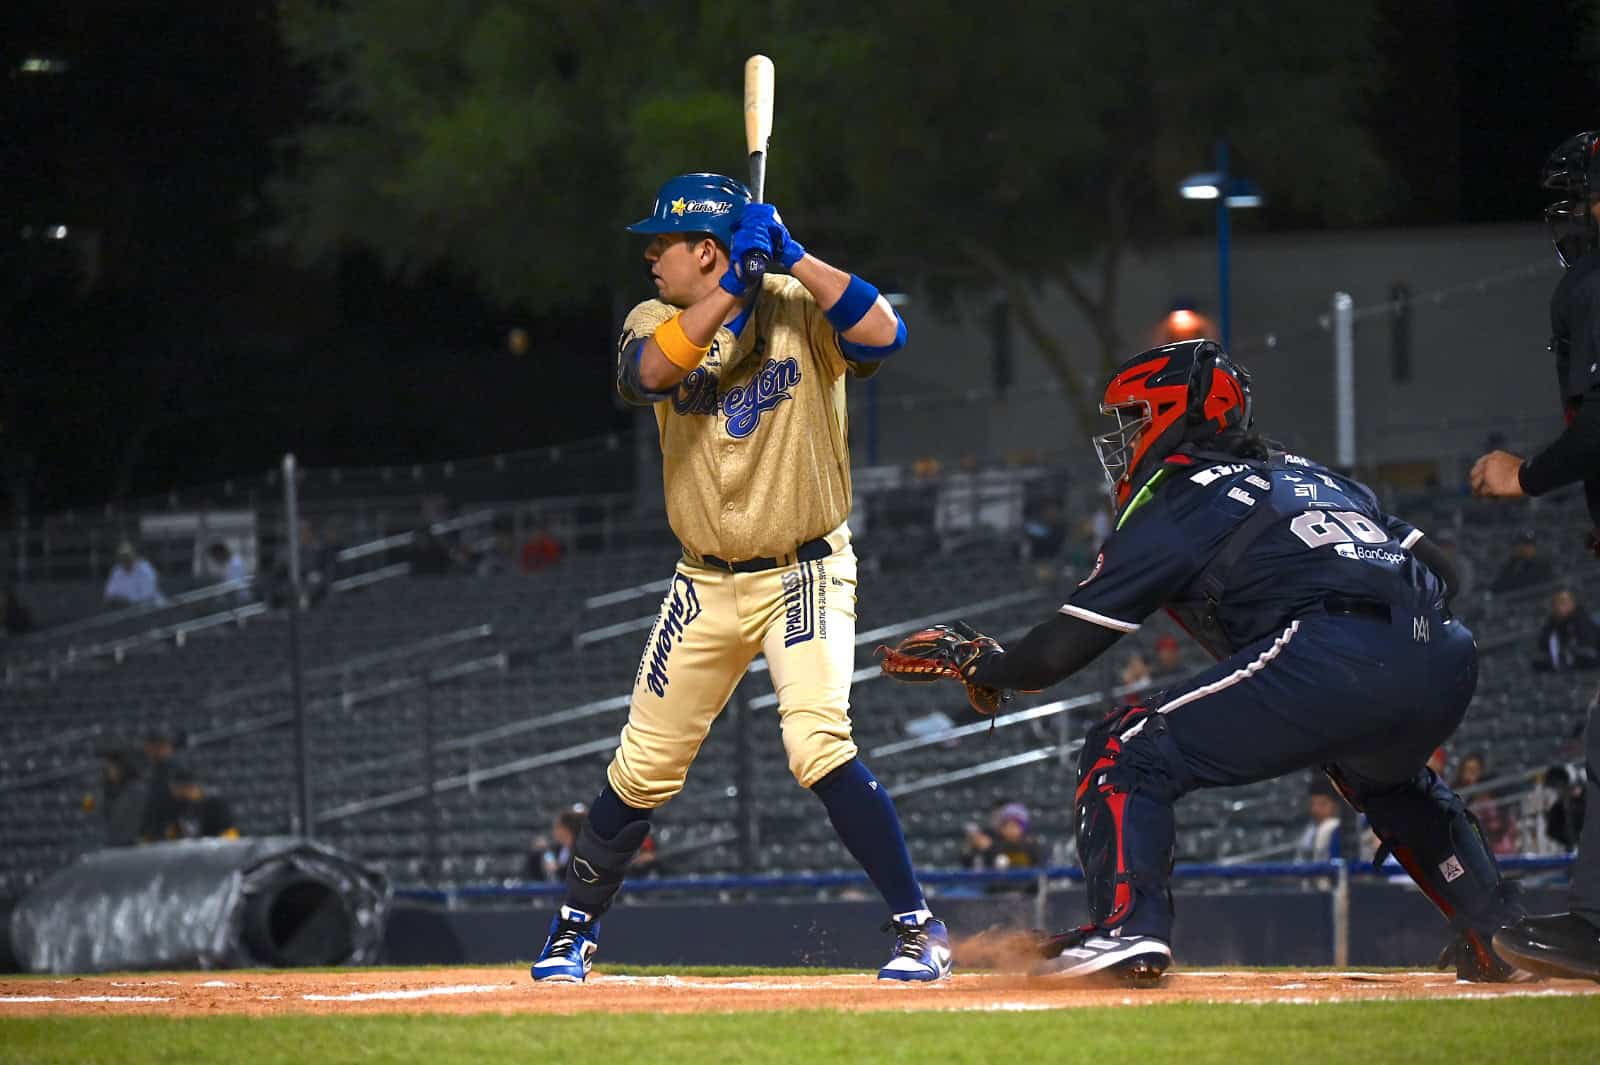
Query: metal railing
{"points": [[279, 685], [355, 664], [117, 650], [475, 776], [141, 610]]}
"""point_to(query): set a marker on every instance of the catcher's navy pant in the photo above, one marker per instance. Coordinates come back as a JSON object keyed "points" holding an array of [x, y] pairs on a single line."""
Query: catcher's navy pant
{"points": [[1371, 697]]}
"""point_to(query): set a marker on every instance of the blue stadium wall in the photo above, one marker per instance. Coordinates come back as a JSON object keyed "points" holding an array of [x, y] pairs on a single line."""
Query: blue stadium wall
{"points": [[1389, 925]]}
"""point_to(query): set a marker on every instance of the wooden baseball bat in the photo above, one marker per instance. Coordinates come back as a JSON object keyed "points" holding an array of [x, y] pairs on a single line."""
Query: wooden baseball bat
{"points": [[759, 84]]}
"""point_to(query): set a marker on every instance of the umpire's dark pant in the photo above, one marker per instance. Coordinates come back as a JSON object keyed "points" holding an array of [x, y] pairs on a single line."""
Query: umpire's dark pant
{"points": [[1372, 696], [1586, 873]]}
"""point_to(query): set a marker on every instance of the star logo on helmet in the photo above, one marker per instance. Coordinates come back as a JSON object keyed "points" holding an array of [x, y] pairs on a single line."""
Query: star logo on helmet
{"points": [[678, 206]]}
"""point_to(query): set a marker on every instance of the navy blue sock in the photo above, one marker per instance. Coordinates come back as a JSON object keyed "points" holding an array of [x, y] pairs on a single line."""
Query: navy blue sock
{"points": [[610, 815], [863, 815]]}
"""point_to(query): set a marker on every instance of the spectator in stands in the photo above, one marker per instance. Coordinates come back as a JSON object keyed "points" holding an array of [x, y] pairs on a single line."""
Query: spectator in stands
{"points": [[1319, 840], [1526, 568], [431, 554], [1045, 532], [16, 618], [1084, 548], [500, 557], [647, 862], [548, 856], [1498, 825], [122, 797], [1569, 639], [1008, 845], [1437, 761], [223, 563], [1466, 570], [1563, 821], [195, 814], [160, 808], [318, 558], [1135, 672], [133, 580], [1169, 656], [540, 551]]}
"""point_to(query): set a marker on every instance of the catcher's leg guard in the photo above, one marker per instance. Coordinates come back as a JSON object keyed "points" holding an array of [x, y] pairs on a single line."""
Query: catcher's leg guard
{"points": [[1129, 774], [1429, 829], [594, 875]]}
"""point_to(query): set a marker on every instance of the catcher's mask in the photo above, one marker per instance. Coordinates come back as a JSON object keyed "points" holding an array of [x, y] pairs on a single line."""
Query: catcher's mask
{"points": [[1573, 170], [1188, 392]]}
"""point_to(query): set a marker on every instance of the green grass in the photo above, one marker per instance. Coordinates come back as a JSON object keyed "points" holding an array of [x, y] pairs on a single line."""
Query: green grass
{"points": [[1501, 1032]]}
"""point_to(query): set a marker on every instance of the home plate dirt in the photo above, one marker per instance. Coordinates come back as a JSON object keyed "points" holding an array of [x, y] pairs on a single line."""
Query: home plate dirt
{"points": [[440, 991]]}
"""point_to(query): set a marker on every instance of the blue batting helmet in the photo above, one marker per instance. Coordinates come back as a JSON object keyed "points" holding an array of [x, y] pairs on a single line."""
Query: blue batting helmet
{"points": [[696, 203]]}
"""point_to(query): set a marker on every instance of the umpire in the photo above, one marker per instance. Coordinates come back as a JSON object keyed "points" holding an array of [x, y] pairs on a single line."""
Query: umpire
{"points": [[1567, 944]]}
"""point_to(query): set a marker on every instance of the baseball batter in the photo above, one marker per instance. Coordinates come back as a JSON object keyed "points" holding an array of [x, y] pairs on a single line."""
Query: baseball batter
{"points": [[747, 378]]}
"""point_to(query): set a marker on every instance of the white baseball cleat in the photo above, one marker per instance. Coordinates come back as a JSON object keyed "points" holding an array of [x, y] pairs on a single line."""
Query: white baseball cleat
{"points": [[1112, 959]]}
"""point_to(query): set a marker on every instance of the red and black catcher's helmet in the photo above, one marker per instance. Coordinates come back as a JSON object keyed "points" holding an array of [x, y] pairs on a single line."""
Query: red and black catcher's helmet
{"points": [[1573, 171], [1185, 393]]}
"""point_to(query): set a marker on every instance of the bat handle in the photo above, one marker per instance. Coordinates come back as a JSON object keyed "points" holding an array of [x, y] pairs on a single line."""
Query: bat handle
{"points": [[754, 266]]}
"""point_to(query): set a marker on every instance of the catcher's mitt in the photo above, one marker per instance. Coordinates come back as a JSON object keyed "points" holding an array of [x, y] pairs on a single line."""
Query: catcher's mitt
{"points": [[946, 652]]}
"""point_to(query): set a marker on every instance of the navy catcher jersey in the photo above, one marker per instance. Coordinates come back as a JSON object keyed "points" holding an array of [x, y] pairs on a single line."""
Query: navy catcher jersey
{"points": [[1327, 537]]}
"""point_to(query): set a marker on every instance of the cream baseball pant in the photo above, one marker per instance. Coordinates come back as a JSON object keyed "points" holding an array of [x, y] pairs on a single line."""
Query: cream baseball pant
{"points": [[712, 625]]}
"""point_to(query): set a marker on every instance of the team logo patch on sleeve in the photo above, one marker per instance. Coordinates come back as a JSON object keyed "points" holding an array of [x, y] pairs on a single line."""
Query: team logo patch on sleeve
{"points": [[677, 614], [1099, 564]]}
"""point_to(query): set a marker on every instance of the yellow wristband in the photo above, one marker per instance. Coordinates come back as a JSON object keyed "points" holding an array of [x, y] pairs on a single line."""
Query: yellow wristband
{"points": [[676, 345]]}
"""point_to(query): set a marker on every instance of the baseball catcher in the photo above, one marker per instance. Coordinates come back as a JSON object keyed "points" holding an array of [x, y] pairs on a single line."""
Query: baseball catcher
{"points": [[1336, 648]]}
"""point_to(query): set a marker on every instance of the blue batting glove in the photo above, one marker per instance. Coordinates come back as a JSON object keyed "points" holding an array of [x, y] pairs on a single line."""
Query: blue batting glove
{"points": [[747, 238], [786, 251]]}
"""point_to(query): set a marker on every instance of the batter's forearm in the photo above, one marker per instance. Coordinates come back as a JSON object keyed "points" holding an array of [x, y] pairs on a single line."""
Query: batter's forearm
{"points": [[877, 328], [700, 322]]}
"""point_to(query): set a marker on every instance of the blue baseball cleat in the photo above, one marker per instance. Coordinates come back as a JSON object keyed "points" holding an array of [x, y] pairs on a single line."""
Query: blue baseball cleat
{"points": [[921, 949], [568, 953]]}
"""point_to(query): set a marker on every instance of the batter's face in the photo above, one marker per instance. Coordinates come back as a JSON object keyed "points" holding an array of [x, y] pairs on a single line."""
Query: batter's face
{"points": [[684, 267]]}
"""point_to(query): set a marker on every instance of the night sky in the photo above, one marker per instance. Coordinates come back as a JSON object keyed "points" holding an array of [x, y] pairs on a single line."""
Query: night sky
{"points": [[194, 349]]}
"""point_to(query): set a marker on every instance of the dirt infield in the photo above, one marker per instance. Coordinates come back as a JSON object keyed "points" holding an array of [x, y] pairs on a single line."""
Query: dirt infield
{"points": [[455, 991]]}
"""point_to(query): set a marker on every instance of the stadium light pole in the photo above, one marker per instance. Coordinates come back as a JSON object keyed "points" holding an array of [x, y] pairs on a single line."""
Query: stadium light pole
{"points": [[1229, 191]]}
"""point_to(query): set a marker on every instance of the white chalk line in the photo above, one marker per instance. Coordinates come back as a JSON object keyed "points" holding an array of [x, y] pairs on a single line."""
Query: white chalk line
{"points": [[690, 984], [1001, 1007], [859, 983], [9, 999], [410, 993]]}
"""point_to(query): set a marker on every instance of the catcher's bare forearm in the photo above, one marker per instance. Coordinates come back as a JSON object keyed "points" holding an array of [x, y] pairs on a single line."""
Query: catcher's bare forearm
{"points": [[1050, 653]]}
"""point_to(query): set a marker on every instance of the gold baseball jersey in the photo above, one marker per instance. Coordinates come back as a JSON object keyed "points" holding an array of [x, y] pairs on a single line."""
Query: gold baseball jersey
{"points": [[753, 441]]}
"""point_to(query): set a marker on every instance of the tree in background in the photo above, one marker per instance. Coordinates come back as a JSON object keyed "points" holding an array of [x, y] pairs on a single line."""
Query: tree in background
{"points": [[1002, 145], [1045, 144]]}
